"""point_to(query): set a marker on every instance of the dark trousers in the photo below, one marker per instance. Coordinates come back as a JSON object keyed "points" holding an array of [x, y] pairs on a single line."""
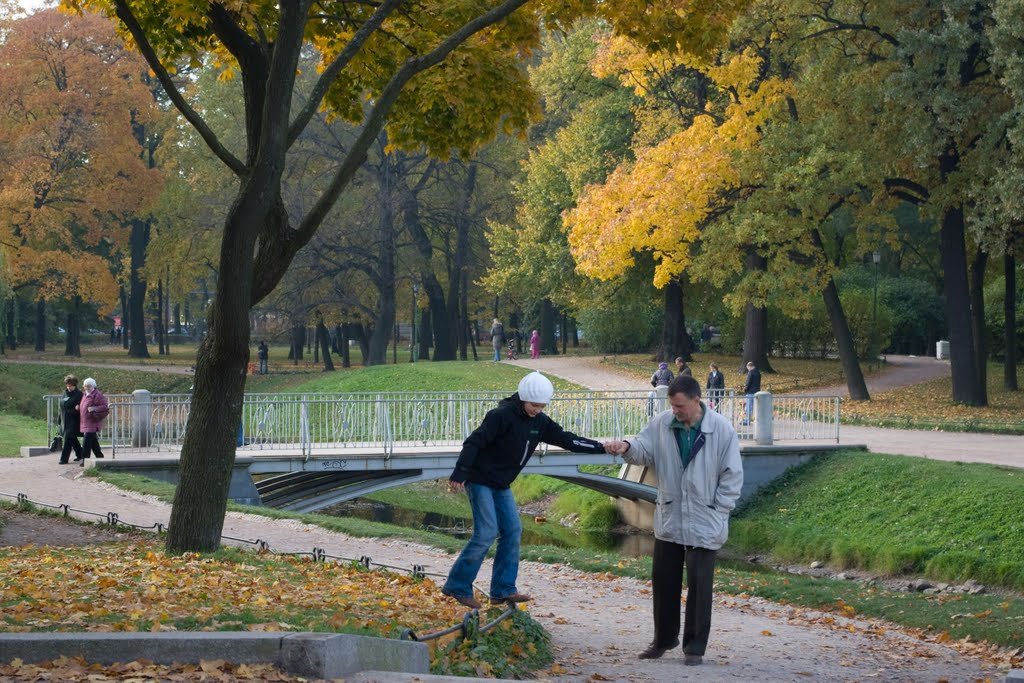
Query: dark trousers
{"points": [[91, 444], [667, 579], [71, 442]]}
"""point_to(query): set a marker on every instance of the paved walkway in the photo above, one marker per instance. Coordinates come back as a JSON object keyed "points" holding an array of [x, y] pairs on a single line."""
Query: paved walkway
{"points": [[997, 449], [597, 622]]}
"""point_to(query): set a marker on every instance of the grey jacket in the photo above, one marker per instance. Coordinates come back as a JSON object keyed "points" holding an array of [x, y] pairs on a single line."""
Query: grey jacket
{"points": [[693, 505]]}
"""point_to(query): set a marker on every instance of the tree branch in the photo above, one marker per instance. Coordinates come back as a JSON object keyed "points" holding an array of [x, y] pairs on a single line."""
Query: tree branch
{"points": [[127, 18], [335, 67]]}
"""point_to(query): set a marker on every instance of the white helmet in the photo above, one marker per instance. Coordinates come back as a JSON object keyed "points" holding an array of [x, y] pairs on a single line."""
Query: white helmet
{"points": [[536, 388]]}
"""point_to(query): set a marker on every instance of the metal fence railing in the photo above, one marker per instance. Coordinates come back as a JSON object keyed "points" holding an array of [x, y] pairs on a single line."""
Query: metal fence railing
{"points": [[329, 422]]}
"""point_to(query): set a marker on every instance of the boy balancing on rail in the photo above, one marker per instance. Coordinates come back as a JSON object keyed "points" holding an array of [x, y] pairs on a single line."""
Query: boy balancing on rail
{"points": [[491, 458]]}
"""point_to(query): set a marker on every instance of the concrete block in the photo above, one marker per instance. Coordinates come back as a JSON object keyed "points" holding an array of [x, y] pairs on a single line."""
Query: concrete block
{"points": [[1014, 676], [161, 648], [33, 451], [333, 655]]}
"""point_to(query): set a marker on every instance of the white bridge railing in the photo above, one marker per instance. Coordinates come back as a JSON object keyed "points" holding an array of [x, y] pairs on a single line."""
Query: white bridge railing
{"points": [[330, 422]]}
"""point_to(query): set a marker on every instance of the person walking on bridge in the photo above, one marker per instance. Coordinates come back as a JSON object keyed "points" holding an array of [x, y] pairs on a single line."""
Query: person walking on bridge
{"points": [[696, 454], [491, 458]]}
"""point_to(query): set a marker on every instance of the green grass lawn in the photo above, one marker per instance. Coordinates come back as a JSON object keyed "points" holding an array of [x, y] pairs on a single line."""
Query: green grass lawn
{"points": [[892, 514], [17, 431]]}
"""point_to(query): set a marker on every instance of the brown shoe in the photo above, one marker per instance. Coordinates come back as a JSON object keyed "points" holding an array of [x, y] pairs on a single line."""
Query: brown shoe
{"points": [[515, 597], [692, 660], [655, 651], [467, 600]]}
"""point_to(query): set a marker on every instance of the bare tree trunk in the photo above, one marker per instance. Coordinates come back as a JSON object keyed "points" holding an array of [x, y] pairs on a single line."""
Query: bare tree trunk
{"points": [[1010, 322], [325, 345], [137, 290], [208, 451], [675, 340], [755, 331], [978, 266], [10, 334], [966, 386], [41, 325], [427, 333], [547, 328], [72, 335], [125, 317], [346, 356], [855, 383], [385, 314], [158, 322]]}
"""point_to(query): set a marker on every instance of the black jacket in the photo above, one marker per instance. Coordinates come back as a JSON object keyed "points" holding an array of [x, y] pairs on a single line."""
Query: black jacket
{"points": [[716, 381], [70, 418], [497, 451], [753, 384]]}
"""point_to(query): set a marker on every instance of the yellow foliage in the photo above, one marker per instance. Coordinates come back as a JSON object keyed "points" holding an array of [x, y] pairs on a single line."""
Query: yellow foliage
{"points": [[659, 202]]}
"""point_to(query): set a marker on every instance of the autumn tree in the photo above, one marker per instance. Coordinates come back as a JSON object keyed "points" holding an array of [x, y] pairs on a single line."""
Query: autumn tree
{"points": [[71, 173], [378, 68]]}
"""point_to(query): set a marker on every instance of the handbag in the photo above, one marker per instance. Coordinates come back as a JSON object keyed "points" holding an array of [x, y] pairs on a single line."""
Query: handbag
{"points": [[57, 444]]}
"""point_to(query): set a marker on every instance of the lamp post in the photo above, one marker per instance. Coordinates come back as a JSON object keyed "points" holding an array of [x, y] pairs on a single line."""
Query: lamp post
{"points": [[876, 257], [412, 334]]}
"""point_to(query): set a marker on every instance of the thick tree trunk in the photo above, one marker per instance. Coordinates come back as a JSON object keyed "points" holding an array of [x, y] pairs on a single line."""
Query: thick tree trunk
{"points": [[548, 344], [755, 330], [158, 322], [125, 317], [426, 333], [675, 340], [343, 337], [978, 266], [325, 346], [137, 290], [177, 318], [298, 342], [72, 338], [465, 333], [966, 387], [10, 327], [358, 332], [41, 325], [855, 383], [1010, 322], [385, 314], [208, 452]]}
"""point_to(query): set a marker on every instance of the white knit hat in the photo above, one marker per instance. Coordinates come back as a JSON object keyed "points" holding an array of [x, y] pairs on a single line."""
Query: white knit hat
{"points": [[536, 388]]}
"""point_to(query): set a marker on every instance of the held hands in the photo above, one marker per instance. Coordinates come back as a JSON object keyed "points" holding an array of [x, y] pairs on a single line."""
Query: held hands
{"points": [[616, 447], [455, 486], [92, 409]]}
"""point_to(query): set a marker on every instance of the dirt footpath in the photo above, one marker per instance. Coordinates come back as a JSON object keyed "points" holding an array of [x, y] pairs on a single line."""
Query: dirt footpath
{"points": [[597, 623]]}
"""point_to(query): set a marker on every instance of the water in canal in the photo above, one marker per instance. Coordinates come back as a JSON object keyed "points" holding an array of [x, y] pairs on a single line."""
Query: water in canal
{"points": [[534, 533]]}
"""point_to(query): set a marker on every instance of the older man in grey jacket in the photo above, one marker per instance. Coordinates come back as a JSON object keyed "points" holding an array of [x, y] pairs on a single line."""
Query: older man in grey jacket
{"points": [[696, 455]]}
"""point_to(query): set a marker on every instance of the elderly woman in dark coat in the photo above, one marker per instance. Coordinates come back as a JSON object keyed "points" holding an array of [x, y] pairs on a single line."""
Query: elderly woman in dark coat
{"points": [[70, 422]]}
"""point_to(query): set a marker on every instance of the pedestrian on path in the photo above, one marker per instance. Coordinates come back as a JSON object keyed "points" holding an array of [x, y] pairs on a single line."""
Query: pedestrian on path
{"points": [[497, 338], [263, 354], [70, 420], [715, 385], [751, 386], [696, 454], [662, 376], [491, 458], [535, 345], [92, 410]]}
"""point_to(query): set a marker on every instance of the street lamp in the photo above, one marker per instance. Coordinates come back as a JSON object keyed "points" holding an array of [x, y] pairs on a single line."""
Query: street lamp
{"points": [[876, 257], [412, 335]]}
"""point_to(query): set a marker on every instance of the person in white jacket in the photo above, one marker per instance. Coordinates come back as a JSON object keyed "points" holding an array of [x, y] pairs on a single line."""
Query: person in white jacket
{"points": [[696, 455]]}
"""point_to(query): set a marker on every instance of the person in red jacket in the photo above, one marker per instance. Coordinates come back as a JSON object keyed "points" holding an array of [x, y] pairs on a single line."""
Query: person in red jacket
{"points": [[93, 409]]}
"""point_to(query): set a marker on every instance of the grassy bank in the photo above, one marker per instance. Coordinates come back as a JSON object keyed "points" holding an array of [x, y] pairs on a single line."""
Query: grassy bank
{"points": [[893, 515]]}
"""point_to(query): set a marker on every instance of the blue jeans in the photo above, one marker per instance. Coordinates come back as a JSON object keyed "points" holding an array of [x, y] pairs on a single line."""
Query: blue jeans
{"points": [[494, 516], [264, 366], [750, 409], [497, 353]]}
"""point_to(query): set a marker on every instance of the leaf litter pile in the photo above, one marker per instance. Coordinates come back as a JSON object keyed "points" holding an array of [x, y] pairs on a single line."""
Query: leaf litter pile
{"points": [[137, 587]]}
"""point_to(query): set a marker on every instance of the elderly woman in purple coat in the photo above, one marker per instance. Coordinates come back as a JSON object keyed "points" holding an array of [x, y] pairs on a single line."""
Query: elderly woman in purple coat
{"points": [[93, 409]]}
